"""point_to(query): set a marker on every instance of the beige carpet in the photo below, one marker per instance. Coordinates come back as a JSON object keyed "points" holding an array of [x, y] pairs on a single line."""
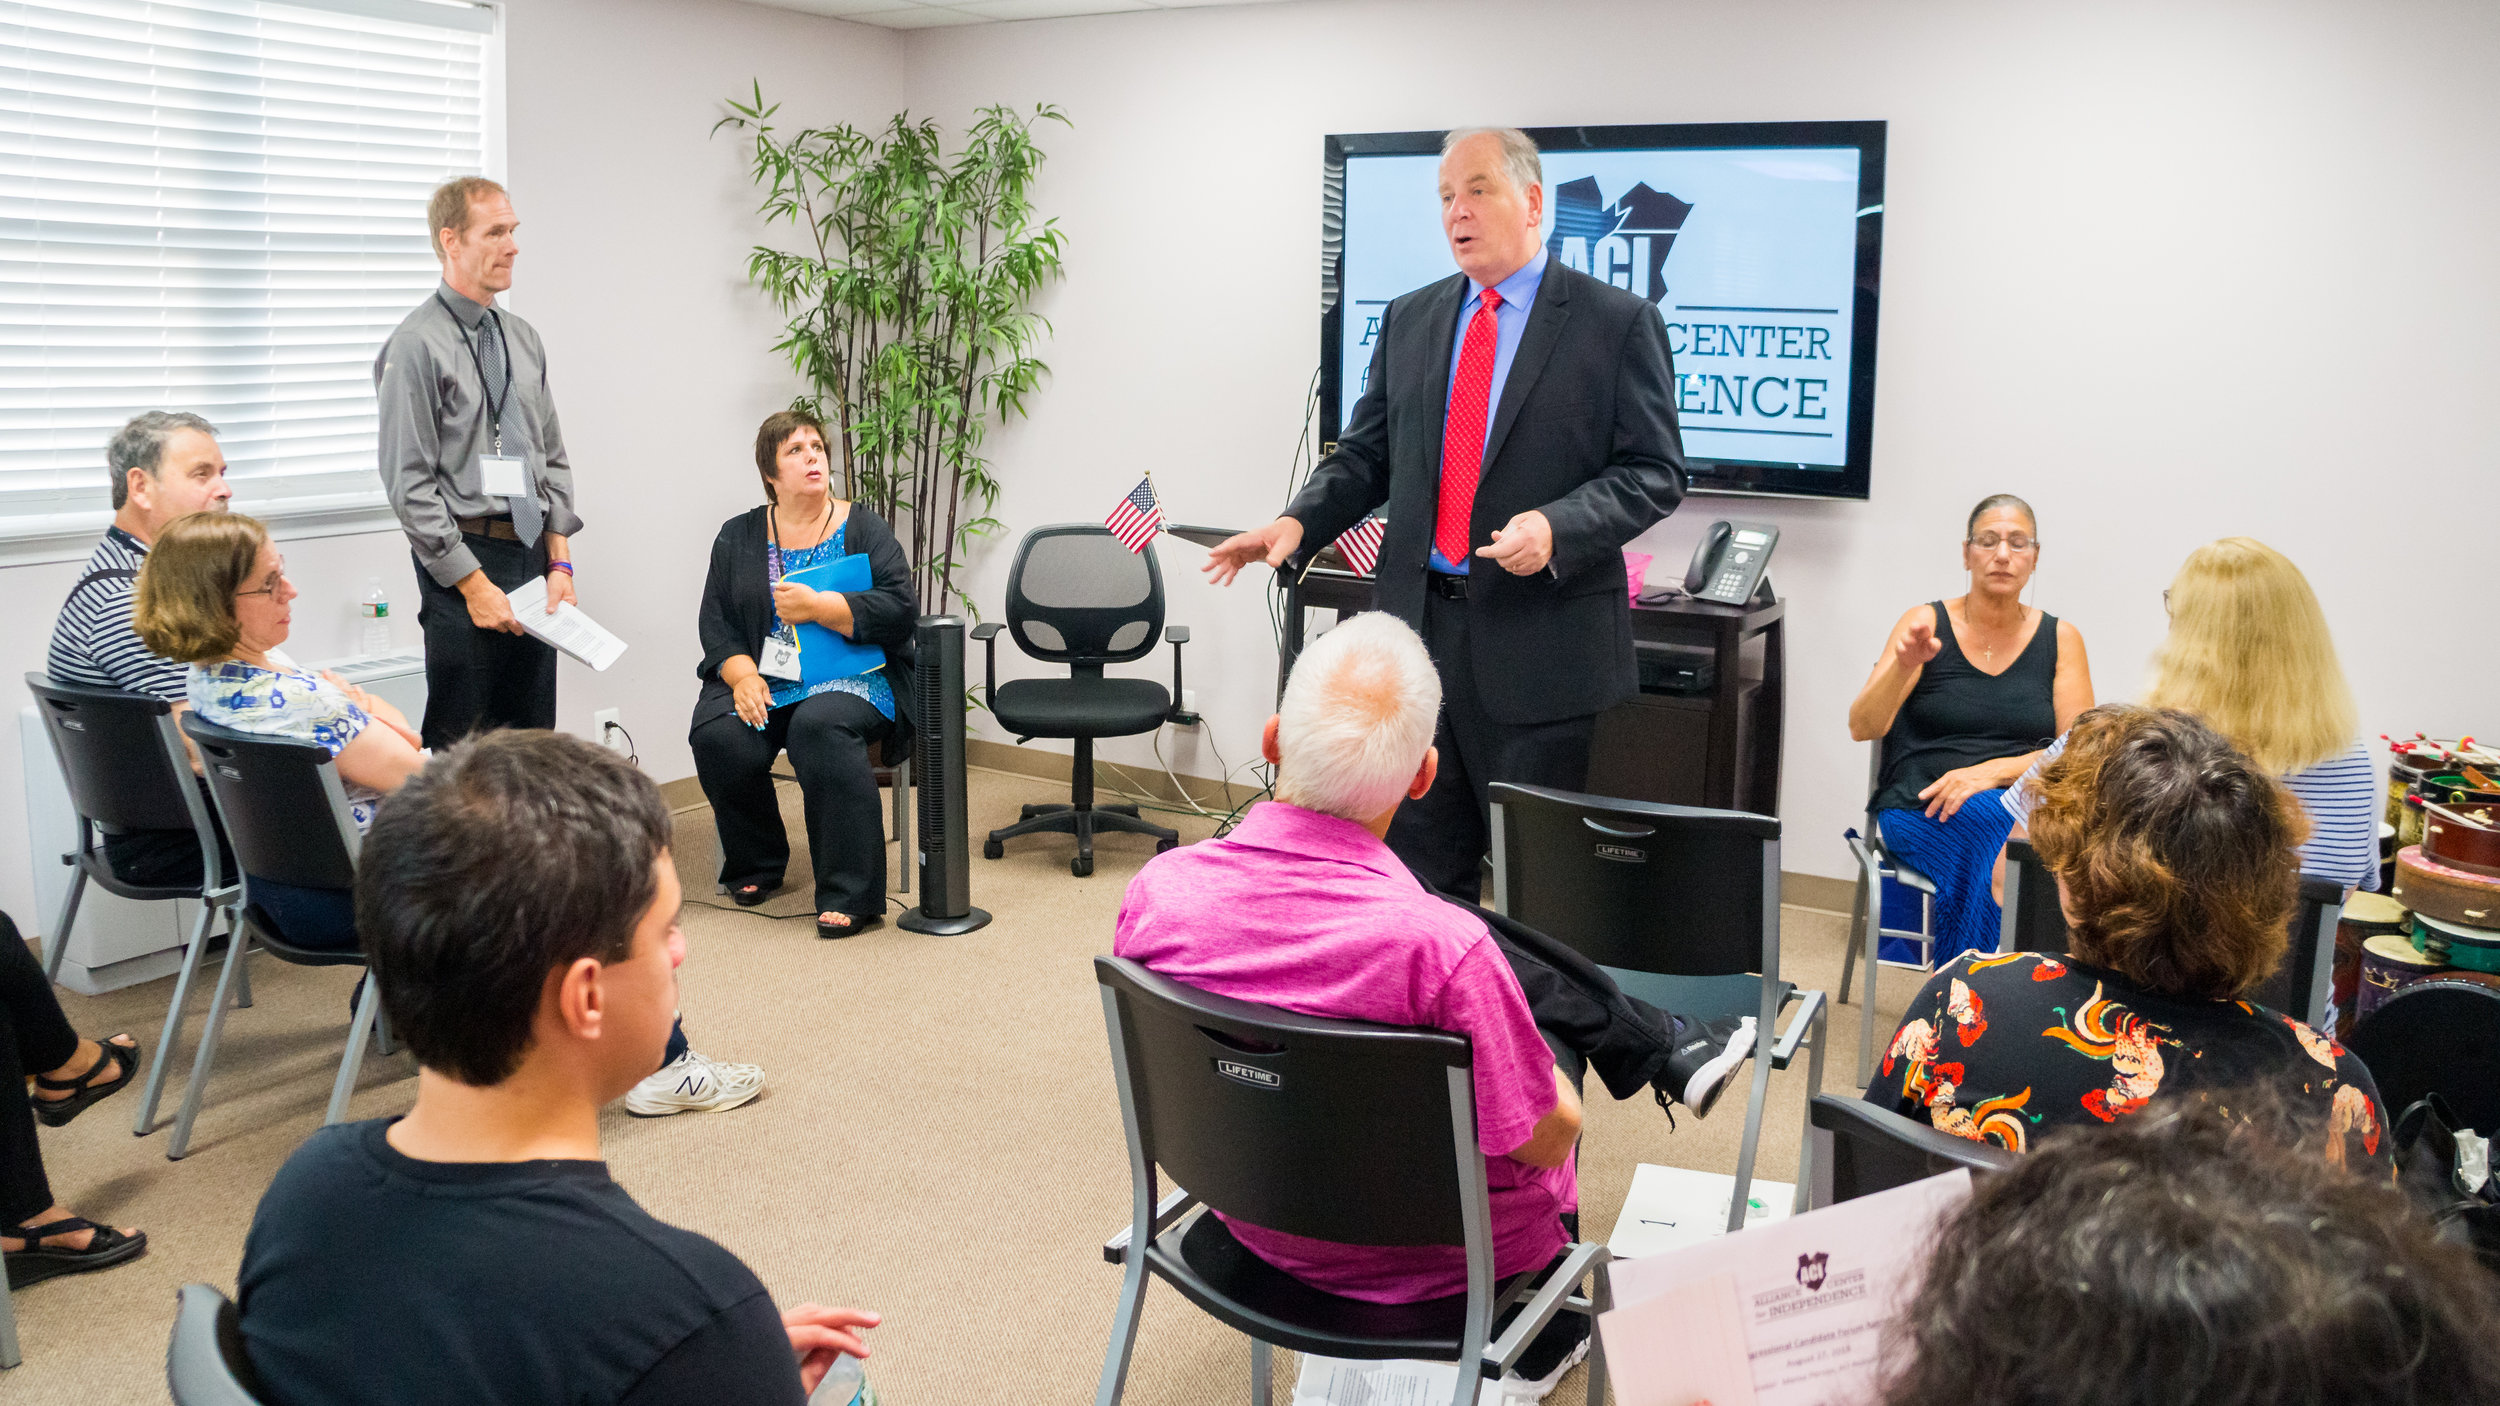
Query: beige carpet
{"points": [[939, 1139]]}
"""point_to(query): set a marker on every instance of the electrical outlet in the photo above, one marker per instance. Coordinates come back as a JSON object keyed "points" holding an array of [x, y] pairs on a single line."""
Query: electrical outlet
{"points": [[608, 725], [1189, 700]]}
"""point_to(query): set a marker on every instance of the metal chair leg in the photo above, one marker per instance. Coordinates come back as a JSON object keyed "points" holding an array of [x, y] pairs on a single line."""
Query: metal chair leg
{"points": [[1801, 1202], [383, 1042], [1601, 1300], [146, 1121], [1262, 1374], [9, 1355], [1123, 1329], [1866, 1001], [56, 946], [243, 983], [1753, 1138], [1857, 915], [180, 1147], [906, 840], [344, 1086]]}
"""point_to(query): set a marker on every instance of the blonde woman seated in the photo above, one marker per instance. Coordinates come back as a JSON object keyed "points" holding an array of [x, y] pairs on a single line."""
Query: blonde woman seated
{"points": [[214, 594], [1966, 695], [2249, 652], [2173, 857]]}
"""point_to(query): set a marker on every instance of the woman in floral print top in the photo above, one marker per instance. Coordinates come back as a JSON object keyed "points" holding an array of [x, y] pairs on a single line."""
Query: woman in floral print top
{"points": [[2174, 860]]}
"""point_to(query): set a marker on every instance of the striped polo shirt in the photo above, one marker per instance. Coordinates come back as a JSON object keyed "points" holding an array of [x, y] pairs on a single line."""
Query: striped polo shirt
{"points": [[93, 645]]}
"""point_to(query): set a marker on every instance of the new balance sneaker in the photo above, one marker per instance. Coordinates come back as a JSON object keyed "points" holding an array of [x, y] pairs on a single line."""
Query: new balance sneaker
{"points": [[1705, 1056], [692, 1084]]}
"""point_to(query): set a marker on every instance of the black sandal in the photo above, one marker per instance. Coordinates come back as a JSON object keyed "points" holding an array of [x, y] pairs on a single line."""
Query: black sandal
{"points": [[120, 1060], [38, 1261], [748, 895], [853, 928]]}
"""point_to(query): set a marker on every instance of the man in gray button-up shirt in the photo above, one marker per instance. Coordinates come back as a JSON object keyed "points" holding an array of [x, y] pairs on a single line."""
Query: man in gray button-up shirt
{"points": [[473, 459]]}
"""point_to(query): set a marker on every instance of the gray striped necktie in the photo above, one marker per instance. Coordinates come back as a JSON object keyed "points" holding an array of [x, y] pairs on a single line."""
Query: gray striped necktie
{"points": [[528, 519]]}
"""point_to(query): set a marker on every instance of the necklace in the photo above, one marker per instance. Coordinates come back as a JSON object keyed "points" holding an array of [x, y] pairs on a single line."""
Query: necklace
{"points": [[1987, 651]]}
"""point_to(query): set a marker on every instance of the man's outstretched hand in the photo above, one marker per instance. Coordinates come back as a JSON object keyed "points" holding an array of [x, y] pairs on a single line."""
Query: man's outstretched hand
{"points": [[1271, 544], [819, 1334]]}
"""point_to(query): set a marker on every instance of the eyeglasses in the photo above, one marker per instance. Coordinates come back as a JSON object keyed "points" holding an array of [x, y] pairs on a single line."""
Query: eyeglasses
{"points": [[275, 579], [2018, 543]]}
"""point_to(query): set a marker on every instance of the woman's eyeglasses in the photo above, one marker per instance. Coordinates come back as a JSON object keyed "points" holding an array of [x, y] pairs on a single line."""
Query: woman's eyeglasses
{"points": [[2017, 543], [269, 589]]}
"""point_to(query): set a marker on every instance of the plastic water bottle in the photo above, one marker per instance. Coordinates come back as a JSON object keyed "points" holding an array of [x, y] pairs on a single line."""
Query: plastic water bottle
{"points": [[845, 1384], [376, 639]]}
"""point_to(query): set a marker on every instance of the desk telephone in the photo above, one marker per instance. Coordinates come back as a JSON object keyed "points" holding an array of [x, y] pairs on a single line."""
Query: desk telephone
{"points": [[1728, 564]]}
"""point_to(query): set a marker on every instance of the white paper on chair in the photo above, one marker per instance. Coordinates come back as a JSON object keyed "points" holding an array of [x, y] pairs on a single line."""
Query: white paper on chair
{"points": [[1332, 1381], [568, 629], [1671, 1207], [1812, 1292]]}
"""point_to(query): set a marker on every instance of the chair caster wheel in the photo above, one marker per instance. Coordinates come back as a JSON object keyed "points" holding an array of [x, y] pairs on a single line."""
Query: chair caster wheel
{"points": [[1082, 865], [993, 849], [1162, 845]]}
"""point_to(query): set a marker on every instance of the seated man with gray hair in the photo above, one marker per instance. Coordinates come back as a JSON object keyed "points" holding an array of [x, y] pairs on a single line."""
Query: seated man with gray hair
{"points": [[1304, 907]]}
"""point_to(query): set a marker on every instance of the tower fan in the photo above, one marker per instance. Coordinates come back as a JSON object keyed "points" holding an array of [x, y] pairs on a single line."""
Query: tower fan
{"points": [[937, 713]]}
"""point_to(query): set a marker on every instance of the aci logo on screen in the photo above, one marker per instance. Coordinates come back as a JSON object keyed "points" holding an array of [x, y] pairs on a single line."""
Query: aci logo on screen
{"points": [[1626, 243]]}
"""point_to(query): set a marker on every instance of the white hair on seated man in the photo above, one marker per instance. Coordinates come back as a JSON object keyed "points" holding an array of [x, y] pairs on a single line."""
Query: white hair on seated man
{"points": [[1356, 719]]}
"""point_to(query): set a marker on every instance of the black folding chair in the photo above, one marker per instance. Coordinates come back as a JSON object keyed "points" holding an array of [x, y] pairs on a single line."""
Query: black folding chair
{"points": [[2439, 1037], [204, 1363], [1862, 1149], [126, 769], [1075, 596], [1338, 1130], [1866, 912], [2300, 986], [1680, 905], [287, 815]]}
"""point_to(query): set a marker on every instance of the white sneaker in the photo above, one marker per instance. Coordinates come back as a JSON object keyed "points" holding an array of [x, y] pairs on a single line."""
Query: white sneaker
{"points": [[692, 1084], [1516, 1388]]}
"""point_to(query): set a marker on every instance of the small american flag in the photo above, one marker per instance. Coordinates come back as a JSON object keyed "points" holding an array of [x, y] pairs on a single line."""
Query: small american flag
{"points": [[1360, 546], [1138, 517]]}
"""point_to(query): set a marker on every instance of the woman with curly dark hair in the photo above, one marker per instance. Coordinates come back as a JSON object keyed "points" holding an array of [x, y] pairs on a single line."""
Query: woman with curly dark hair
{"points": [[2174, 858], [2192, 1257]]}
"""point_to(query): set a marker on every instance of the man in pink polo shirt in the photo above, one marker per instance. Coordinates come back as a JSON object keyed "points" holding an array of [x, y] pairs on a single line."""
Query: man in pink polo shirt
{"points": [[1304, 907]]}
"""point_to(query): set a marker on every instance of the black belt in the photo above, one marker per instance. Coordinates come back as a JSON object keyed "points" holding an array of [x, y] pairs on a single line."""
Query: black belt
{"points": [[1445, 585], [499, 527]]}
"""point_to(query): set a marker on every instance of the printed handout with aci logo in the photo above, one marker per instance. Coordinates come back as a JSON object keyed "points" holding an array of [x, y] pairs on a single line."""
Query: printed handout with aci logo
{"points": [[1799, 1305]]}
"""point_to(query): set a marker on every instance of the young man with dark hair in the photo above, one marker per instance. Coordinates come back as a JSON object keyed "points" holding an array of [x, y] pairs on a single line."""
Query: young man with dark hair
{"points": [[519, 907]]}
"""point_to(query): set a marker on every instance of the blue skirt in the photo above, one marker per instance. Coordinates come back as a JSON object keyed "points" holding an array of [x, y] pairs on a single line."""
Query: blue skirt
{"points": [[1960, 855]]}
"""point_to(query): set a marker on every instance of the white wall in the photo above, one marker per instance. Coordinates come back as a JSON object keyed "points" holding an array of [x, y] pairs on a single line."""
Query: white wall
{"points": [[2171, 271], [635, 228]]}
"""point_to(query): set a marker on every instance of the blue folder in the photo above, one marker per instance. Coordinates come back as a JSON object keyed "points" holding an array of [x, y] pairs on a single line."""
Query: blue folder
{"points": [[824, 655]]}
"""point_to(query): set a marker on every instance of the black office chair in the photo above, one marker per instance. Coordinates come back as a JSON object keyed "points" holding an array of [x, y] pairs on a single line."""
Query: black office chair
{"points": [[2439, 1037], [1862, 1149], [1866, 912], [287, 815], [1077, 597], [1338, 1130], [204, 1363], [1680, 905], [126, 769], [2300, 986]]}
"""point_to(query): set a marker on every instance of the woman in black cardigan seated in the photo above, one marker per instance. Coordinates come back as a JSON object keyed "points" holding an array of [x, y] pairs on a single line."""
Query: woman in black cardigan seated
{"points": [[761, 693]]}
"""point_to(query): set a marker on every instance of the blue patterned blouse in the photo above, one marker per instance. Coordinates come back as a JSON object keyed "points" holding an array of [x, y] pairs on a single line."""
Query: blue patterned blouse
{"points": [[873, 687], [285, 703]]}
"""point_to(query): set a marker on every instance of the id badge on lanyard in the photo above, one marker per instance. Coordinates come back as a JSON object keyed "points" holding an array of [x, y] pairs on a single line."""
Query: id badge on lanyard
{"points": [[502, 476], [781, 647]]}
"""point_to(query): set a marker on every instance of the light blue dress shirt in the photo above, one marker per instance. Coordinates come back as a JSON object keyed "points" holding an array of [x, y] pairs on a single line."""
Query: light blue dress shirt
{"points": [[1510, 321]]}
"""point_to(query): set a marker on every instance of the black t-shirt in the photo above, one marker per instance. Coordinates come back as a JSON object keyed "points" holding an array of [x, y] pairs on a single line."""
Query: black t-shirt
{"points": [[371, 1277], [1957, 716]]}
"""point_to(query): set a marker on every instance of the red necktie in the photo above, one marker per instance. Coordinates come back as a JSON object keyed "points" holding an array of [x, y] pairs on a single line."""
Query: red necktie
{"points": [[1462, 433]]}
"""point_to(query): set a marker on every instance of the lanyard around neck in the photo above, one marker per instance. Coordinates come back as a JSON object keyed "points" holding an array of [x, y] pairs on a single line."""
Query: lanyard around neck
{"points": [[772, 540], [495, 399]]}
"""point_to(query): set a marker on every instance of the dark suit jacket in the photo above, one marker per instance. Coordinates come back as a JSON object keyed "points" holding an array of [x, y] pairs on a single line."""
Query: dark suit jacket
{"points": [[738, 608], [1585, 432]]}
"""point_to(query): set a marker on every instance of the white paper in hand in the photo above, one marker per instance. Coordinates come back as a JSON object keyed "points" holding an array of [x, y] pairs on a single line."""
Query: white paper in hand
{"points": [[568, 629]]}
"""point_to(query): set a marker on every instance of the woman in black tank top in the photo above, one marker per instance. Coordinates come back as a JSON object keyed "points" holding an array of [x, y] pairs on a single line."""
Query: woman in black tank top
{"points": [[1966, 695]]}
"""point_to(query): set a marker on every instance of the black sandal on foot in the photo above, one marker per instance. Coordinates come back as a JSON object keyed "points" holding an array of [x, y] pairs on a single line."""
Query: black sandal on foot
{"points": [[38, 1261], [120, 1061], [748, 895], [852, 928]]}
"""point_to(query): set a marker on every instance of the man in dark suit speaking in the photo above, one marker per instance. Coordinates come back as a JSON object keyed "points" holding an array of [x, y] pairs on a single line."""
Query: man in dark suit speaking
{"points": [[1519, 423]]}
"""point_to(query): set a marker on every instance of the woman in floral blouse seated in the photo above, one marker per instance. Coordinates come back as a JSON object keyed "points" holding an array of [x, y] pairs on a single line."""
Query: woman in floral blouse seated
{"points": [[214, 594], [2174, 858]]}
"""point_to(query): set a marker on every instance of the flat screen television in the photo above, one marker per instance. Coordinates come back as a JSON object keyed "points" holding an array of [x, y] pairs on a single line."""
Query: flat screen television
{"points": [[1761, 243]]}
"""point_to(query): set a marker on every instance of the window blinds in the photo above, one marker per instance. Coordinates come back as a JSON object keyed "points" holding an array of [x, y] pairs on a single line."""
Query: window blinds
{"points": [[217, 206]]}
